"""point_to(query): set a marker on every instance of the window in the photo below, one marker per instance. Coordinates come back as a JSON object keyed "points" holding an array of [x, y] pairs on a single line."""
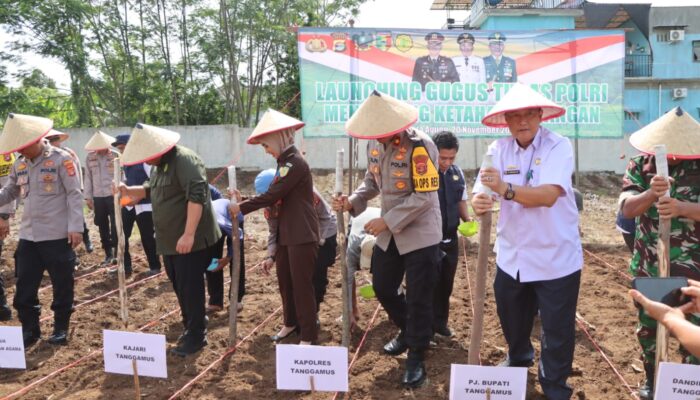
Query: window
{"points": [[696, 50], [663, 36], [632, 115]]}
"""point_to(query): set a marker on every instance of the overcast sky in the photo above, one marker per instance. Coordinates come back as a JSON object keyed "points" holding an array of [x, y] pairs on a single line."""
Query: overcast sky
{"points": [[374, 13]]}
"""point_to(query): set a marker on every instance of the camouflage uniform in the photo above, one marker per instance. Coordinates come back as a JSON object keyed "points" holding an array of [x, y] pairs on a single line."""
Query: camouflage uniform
{"points": [[685, 239]]}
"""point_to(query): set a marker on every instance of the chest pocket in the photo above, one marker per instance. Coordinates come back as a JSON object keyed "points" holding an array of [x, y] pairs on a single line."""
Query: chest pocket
{"points": [[47, 184]]}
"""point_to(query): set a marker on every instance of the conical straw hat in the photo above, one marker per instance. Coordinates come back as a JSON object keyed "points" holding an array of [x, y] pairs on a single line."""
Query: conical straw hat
{"points": [[99, 141], [675, 129], [21, 131], [381, 115], [148, 142], [62, 136], [521, 97], [273, 121]]}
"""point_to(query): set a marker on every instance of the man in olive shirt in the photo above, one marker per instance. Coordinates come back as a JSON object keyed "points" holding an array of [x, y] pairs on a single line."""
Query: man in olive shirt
{"points": [[183, 219]]}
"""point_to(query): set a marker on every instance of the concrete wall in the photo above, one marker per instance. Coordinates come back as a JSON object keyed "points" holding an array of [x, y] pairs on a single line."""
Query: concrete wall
{"points": [[220, 145]]}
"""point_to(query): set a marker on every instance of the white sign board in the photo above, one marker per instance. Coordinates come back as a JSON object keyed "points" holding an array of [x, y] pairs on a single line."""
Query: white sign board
{"points": [[471, 382], [328, 366], [678, 382], [12, 348], [120, 348]]}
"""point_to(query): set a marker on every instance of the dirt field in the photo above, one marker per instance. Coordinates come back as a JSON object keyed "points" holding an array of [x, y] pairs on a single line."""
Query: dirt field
{"points": [[605, 309]]}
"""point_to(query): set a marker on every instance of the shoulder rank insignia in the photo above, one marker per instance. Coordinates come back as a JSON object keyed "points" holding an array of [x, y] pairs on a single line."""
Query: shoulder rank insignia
{"points": [[425, 175], [284, 171]]}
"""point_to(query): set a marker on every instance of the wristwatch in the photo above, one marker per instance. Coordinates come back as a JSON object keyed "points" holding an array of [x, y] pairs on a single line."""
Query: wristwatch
{"points": [[509, 193], [5, 216]]}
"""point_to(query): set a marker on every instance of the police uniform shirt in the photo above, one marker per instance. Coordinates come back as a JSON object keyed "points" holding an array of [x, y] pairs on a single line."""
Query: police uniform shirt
{"points": [[440, 69], [50, 189], [6, 162], [413, 218], [470, 69], [99, 174], [502, 71]]}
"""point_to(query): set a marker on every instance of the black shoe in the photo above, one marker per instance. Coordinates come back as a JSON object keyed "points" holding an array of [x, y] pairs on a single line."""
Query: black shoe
{"points": [[152, 272], [88, 245], [277, 338], [5, 313], [415, 375], [189, 346], [396, 346], [30, 337], [508, 363], [646, 391], [443, 331], [59, 337], [109, 256]]}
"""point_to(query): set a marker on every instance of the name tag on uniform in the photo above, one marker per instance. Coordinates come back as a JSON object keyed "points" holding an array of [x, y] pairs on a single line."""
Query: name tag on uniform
{"points": [[512, 172]]}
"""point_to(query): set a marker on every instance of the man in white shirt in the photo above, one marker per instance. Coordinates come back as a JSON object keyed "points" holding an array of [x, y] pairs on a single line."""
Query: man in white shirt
{"points": [[469, 67], [539, 256]]}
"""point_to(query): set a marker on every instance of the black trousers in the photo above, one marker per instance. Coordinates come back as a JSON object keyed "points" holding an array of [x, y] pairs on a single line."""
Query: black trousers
{"points": [[3, 299], [325, 258], [104, 219], [445, 282], [412, 312], [186, 272], [31, 260], [517, 304], [215, 280], [148, 239]]}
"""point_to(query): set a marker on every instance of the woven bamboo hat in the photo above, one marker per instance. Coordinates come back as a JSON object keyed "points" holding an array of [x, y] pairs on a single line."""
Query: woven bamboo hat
{"points": [[148, 142], [21, 131], [273, 121], [379, 116], [99, 141], [675, 129], [521, 97], [62, 136]]}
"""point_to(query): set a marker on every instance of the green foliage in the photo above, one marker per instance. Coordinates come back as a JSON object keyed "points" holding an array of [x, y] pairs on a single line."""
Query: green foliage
{"points": [[163, 62]]}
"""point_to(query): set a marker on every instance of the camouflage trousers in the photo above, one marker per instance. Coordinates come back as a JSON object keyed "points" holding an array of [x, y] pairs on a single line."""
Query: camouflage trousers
{"points": [[646, 333]]}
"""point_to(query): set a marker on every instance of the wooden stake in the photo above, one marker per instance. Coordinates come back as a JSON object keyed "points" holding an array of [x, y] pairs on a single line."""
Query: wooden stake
{"points": [[346, 285], [663, 251], [477, 330], [137, 384], [312, 384], [236, 273], [120, 268], [123, 310]]}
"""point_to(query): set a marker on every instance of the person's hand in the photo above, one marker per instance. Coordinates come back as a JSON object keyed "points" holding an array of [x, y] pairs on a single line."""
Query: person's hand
{"points": [[659, 311], [668, 207], [267, 265], [4, 228], [235, 194], [221, 263], [376, 226], [491, 178], [481, 203], [660, 185], [692, 291], [233, 209], [74, 239], [184, 244], [341, 203], [90, 204]]}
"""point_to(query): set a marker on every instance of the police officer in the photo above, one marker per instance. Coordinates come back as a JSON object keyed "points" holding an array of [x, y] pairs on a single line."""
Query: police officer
{"points": [[453, 207], [434, 67], [140, 213], [499, 68], [6, 212], [56, 139], [99, 174], [401, 169], [52, 222], [470, 68], [183, 219]]}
